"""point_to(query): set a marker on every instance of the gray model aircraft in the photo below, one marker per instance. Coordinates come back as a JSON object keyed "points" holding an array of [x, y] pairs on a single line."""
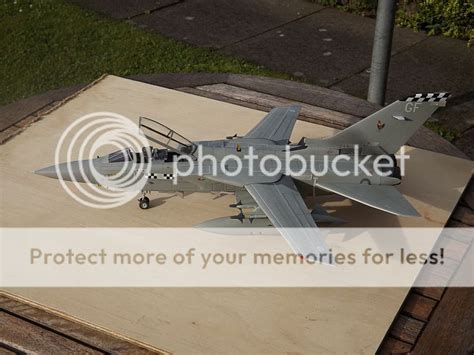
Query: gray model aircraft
{"points": [[277, 200]]}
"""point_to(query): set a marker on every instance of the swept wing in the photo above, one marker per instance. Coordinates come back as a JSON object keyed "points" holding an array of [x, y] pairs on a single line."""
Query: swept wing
{"points": [[277, 125], [285, 208]]}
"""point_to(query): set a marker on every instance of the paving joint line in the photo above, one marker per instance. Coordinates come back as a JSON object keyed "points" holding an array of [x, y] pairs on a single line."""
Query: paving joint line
{"points": [[462, 99], [347, 77], [461, 134], [269, 30], [148, 12], [366, 68]]}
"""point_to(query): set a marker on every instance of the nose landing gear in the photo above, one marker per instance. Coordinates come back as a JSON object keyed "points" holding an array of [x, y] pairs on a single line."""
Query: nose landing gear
{"points": [[144, 202]]}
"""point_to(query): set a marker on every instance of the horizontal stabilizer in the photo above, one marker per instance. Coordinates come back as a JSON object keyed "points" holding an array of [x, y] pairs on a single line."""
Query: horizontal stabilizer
{"points": [[320, 215], [277, 125], [383, 197]]}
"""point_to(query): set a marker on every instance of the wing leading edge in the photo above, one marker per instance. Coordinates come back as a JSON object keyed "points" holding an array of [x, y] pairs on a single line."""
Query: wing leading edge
{"points": [[277, 125], [285, 208]]}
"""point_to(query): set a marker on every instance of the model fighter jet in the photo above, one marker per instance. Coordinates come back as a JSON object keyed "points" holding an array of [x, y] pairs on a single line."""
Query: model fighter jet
{"points": [[277, 200]]}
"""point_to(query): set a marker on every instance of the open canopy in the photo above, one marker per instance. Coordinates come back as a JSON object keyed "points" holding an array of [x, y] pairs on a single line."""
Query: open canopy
{"points": [[166, 137]]}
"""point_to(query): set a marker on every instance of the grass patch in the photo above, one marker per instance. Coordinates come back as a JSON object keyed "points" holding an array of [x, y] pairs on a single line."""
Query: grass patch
{"points": [[48, 44], [449, 134]]}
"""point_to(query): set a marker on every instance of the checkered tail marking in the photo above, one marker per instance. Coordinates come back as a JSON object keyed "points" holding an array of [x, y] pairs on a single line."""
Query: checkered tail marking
{"points": [[431, 97]]}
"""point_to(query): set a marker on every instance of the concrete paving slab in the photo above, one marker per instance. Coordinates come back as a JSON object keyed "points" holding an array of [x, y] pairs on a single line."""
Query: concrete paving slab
{"points": [[466, 143], [458, 116], [217, 23], [435, 64], [355, 85], [123, 9], [13, 113], [324, 48]]}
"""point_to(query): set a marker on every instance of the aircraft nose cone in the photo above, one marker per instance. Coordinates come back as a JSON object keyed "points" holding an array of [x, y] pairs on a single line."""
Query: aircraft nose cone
{"points": [[49, 171], [69, 172]]}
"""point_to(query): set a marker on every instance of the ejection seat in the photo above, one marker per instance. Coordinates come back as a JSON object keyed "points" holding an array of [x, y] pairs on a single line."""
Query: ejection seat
{"points": [[165, 137]]}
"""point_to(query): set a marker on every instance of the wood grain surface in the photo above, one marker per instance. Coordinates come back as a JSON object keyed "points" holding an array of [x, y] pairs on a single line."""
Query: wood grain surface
{"points": [[50, 332], [406, 331]]}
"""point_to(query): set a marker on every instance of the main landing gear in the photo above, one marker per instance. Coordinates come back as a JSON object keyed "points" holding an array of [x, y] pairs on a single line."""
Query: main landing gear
{"points": [[144, 202]]}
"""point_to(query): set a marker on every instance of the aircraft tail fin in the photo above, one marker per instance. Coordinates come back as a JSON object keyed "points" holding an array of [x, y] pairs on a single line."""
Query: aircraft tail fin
{"points": [[393, 125]]}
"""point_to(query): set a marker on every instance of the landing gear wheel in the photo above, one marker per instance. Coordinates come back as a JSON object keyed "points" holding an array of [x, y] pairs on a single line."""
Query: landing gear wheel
{"points": [[144, 203]]}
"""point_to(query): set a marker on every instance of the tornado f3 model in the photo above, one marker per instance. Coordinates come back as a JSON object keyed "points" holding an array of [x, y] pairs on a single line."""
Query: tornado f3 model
{"points": [[277, 200]]}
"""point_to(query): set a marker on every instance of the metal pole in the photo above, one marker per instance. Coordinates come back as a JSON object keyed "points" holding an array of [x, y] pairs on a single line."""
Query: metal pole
{"points": [[381, 51]]}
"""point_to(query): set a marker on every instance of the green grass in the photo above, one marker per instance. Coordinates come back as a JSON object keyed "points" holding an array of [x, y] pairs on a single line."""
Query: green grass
{"points": [[445, 132], [48, 44]]}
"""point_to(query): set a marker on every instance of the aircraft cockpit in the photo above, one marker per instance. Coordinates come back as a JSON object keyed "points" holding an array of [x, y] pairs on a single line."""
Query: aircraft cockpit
{"points": [[171, 145], [165, 137], [121, 156], [147, 155]]}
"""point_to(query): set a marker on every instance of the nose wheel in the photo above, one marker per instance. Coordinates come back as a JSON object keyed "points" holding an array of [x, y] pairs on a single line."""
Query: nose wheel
{"points": [[144, 203]]}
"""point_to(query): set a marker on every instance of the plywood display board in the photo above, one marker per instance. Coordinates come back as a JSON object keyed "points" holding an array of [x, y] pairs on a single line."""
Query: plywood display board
{"points": [[293, 320]]}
